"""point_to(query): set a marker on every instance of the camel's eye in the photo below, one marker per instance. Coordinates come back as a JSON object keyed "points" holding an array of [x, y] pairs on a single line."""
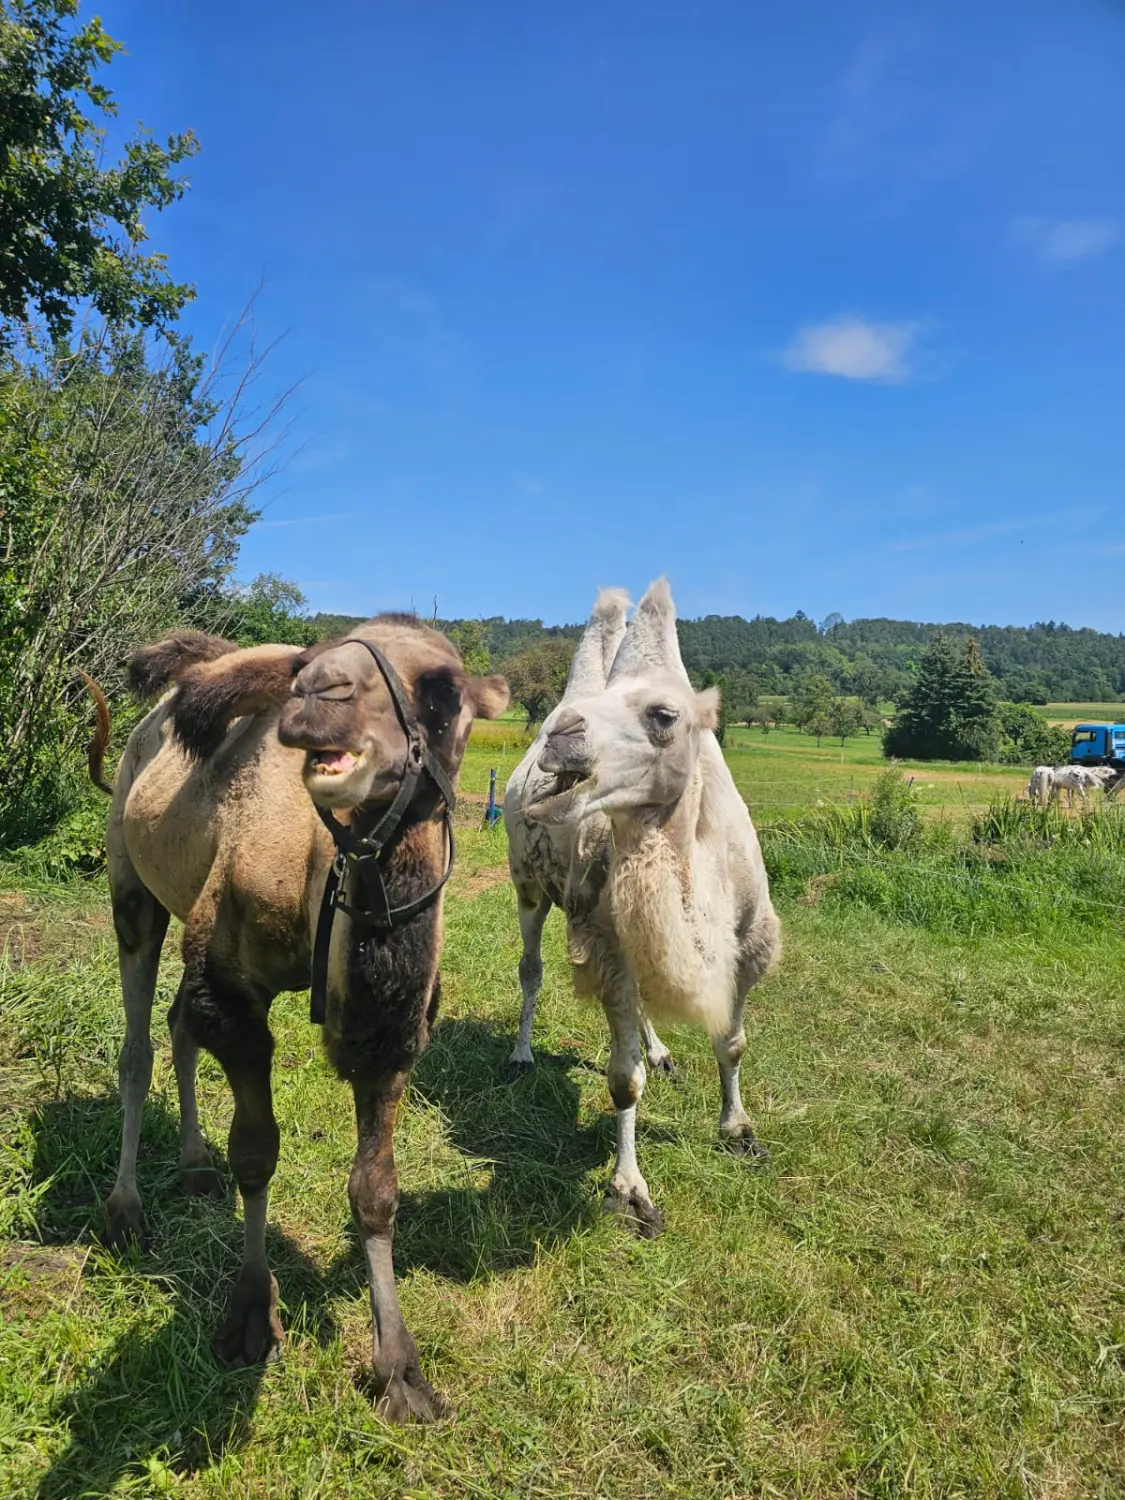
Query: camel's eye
{"points": [[663, 720]]}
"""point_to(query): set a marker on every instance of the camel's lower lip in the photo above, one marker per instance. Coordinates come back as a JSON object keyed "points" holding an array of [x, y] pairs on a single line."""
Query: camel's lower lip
{"points": [[560, 800], [332, 762], [564, 782]]}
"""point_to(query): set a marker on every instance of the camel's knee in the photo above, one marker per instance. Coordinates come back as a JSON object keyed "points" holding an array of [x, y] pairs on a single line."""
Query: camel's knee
{"points": [[373, 1194], [227, 1023], [138, 918], [253, 1151], [531, 971], [626, 1082], [729, 1049], [134, 1063]]}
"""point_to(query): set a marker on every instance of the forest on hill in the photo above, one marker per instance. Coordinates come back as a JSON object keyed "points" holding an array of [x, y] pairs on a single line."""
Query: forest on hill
{"points": [[876, 659]]}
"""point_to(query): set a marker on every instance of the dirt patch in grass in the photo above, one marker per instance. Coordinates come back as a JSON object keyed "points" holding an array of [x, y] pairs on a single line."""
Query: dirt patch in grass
{"points": [[33, 1278], [816, 888], [486, 879], [20, 937]]}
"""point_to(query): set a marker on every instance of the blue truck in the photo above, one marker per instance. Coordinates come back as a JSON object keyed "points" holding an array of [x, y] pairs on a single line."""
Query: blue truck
{"points": [[1098, 745]]}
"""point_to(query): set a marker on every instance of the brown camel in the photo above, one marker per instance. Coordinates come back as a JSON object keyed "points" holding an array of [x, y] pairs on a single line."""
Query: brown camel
{"points": [[217, 817]]}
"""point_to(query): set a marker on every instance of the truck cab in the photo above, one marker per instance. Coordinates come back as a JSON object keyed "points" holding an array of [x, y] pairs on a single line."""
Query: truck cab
{"points": [[1098, 745]]}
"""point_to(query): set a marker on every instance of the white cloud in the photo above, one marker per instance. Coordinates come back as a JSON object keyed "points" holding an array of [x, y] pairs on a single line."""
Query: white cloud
{"points": [[1064, 241], [854, 349]]}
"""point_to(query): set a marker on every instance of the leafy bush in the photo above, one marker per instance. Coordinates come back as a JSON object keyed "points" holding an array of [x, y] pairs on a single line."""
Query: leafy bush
{"points": [[75, 846], [1026, 739]]}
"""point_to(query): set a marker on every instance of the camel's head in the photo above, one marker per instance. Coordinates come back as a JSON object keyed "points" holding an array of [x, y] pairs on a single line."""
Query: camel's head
{"points": [[342, 715], [631, 748]]}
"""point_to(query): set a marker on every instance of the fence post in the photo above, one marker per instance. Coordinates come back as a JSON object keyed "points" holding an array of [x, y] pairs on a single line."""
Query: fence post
{"points": [[493, 813]]}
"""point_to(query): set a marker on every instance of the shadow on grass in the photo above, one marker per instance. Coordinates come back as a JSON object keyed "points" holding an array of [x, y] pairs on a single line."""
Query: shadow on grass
{"points": [[526, 1136], [157, 1397]]}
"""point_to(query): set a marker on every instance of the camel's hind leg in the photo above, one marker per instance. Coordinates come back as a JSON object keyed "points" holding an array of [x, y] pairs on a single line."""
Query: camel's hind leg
{"points": [[197, 1171], [759, 950], [532, 919], [141, 923], [657, 1056]]}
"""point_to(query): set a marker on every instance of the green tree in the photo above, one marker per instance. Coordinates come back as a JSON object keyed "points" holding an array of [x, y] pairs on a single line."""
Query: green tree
{"points": [[868, 681], [124, 492], [820, 723], [845, 718], [718, 680], [270, 610], [1026, 739], [974, 715], [70, 223], [812, 703], [471, 639], [537, 677], [950, 712]]}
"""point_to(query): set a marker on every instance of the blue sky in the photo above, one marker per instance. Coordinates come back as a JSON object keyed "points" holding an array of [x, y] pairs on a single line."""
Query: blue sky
{"points": [[808, 305]]}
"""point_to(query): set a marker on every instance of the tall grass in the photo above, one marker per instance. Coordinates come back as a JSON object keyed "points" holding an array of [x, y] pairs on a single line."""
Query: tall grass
{"points": [[1019, 867]]}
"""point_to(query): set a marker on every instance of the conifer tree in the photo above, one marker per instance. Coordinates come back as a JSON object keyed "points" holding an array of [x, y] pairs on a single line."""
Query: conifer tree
{"points": [[950, 712], [974, 722]]}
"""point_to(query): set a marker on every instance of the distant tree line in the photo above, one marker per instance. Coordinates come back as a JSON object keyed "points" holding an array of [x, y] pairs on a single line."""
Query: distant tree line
{"points": [[824, 676]]}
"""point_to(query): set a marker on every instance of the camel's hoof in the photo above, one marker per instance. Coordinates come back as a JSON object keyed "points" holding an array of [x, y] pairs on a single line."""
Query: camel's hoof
{"points": [[203, 1181], [666, 1068], [742, 1141], [410, 1398], [250, 1334], [124, 1221], [638, 1213], [518, 1068]]}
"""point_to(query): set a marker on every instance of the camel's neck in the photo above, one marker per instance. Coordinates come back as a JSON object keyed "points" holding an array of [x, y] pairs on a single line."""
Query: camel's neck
{"points": [[666, 912]]}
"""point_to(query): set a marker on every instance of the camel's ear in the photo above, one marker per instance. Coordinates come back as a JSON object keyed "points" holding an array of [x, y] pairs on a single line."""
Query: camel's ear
{"points": [[707, 705], [488, 695], [213, 693]]}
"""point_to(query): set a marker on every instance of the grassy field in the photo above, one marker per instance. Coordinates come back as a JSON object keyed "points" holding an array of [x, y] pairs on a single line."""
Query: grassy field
{"points": [[1073, 713], [921, 1295]]}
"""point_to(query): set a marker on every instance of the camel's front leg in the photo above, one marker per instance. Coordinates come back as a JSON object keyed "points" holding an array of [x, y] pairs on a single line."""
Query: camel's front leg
{"points": [[628, 1193], [233, 1027], [403, 1393]]}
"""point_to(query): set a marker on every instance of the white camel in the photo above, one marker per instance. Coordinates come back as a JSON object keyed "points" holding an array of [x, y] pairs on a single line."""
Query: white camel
{"points": [[666, 896], [542, 857], [1049, 782]]}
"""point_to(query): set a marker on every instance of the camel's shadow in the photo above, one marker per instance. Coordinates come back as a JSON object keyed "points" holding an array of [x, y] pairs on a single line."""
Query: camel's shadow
{"points": [[532, 1187], [156, 1393], [158, 1390]]}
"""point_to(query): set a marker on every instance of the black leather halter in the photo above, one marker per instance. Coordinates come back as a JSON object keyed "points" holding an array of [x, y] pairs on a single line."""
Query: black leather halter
{"points": [[367, 851]]}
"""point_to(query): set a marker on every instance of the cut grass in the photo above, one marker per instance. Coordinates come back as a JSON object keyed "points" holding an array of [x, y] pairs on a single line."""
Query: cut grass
{"points": [[920, 1296]]}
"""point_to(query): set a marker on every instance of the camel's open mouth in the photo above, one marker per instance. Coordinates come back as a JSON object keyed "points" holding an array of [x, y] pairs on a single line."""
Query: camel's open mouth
{"points": [[565, 781], [332, 762], [557, 796]]}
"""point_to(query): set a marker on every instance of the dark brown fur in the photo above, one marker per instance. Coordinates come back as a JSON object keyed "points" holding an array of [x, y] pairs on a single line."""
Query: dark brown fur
{"points": [[152, 668], [213, 693]]}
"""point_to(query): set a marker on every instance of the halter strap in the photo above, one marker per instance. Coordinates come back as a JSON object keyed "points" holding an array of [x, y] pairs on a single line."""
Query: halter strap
{"points": [[353, 851]]}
